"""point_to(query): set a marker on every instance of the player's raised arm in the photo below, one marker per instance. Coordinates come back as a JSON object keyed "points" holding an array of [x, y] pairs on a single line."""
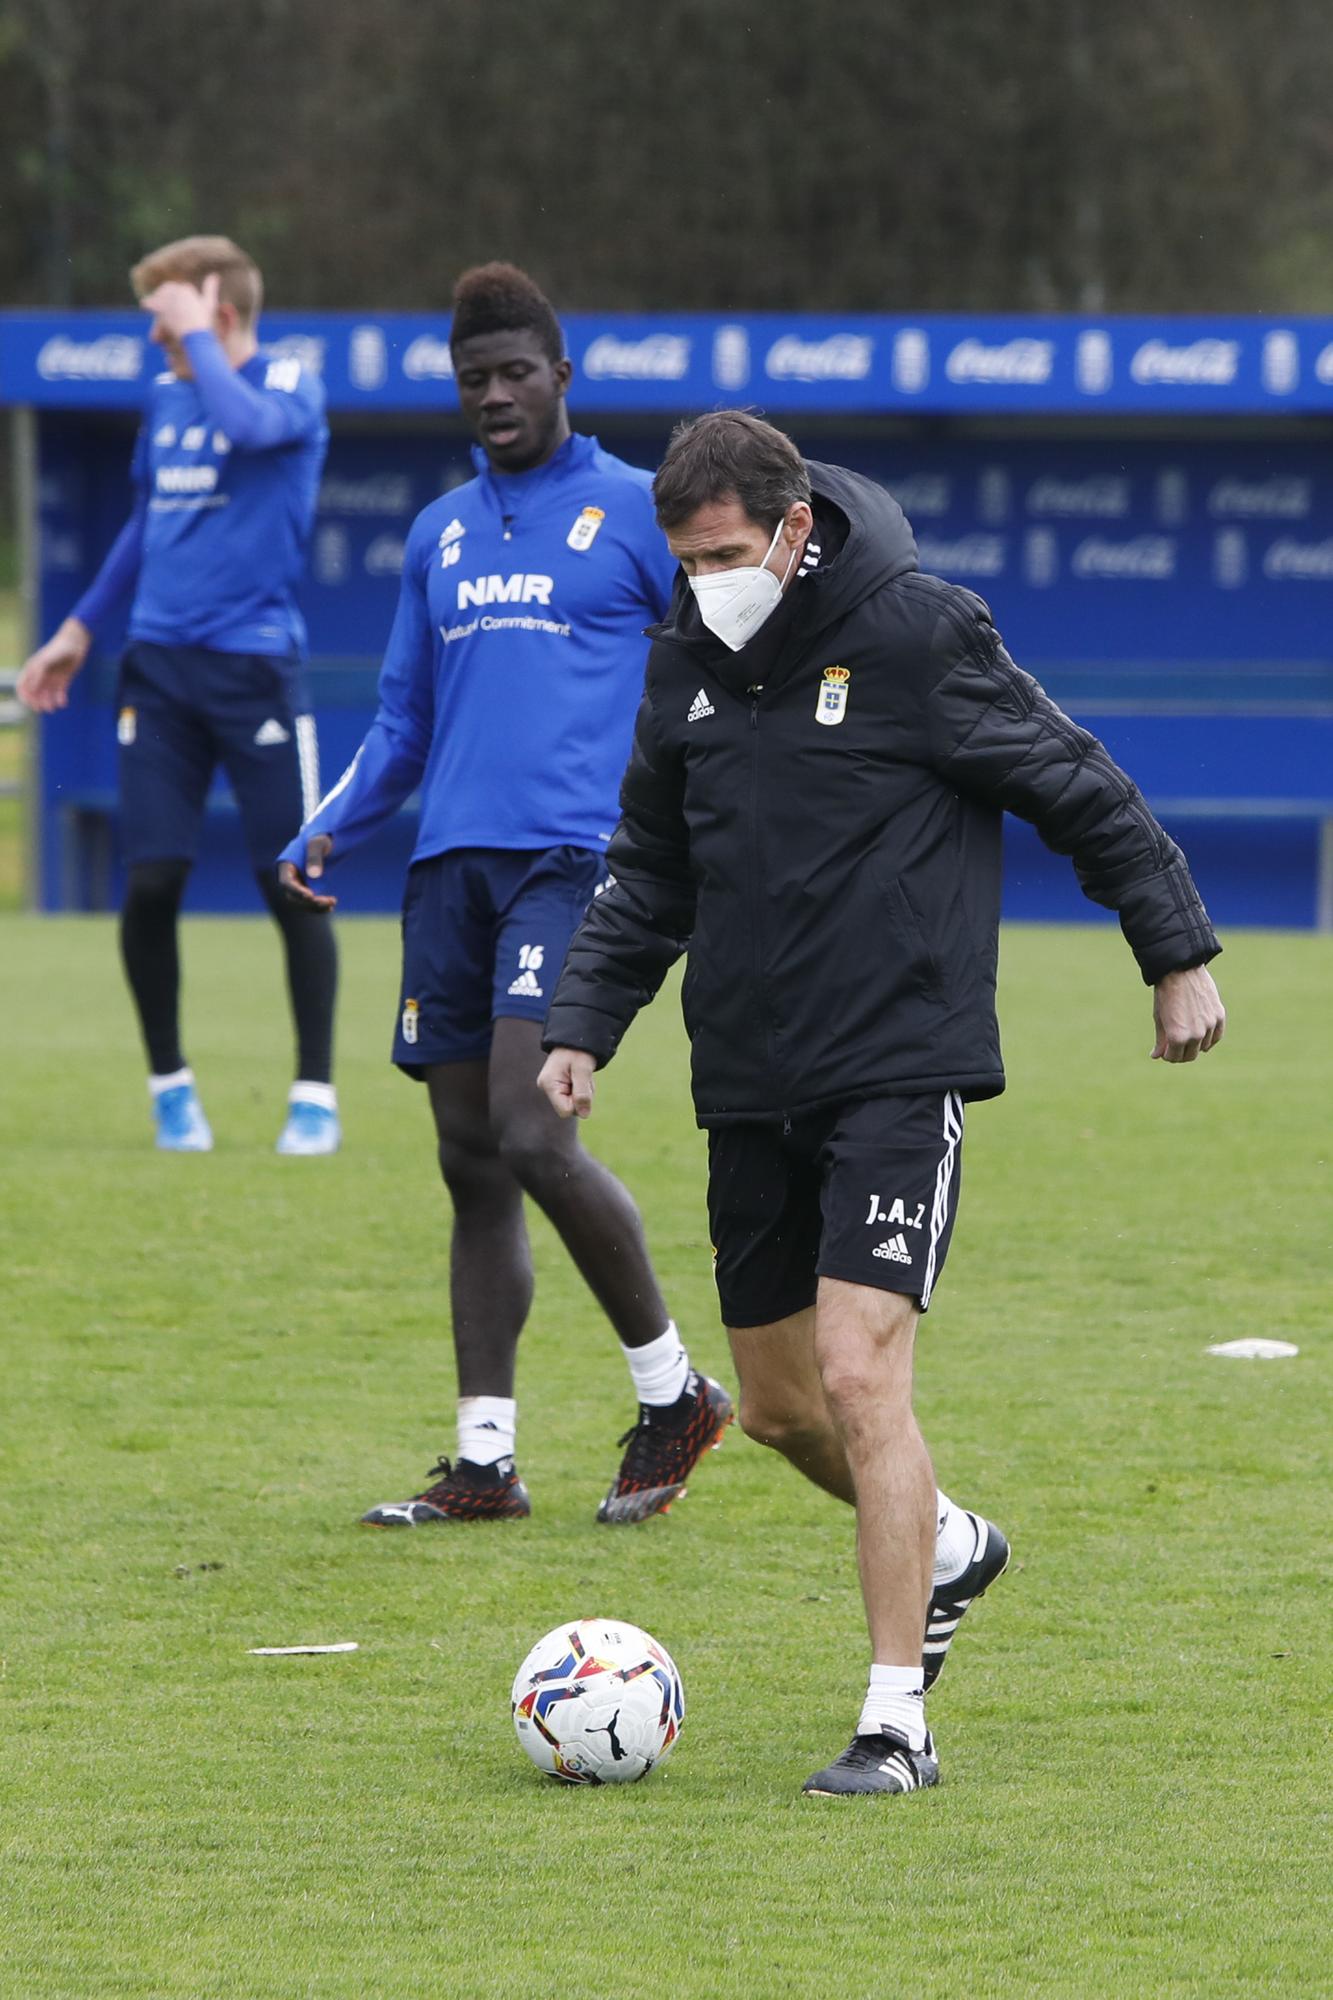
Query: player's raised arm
{"points": [[996, 733], [285, 405], [391, 757]]}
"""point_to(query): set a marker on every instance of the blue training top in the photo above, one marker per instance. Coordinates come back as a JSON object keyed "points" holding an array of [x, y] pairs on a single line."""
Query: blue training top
{"points": [[515, 664], [226, 469]]}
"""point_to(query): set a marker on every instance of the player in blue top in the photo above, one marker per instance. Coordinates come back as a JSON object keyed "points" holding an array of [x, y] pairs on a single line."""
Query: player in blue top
{"points": [[226, 472], [509, 689]]}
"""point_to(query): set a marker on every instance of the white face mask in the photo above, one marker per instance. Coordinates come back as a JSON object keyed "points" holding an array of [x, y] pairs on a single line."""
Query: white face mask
{"points": [[734, 603]]}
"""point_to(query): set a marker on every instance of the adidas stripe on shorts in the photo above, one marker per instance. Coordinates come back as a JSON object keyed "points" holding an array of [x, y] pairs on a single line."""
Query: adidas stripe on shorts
{"points": [[865, 1191]]}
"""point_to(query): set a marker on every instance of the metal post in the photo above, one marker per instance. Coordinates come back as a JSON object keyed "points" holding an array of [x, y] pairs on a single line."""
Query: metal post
{"points": [[1323, 909], [25, 512]]}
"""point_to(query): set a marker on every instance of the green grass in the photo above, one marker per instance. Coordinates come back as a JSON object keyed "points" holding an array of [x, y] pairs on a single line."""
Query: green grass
{"points": [[212, 1365]]}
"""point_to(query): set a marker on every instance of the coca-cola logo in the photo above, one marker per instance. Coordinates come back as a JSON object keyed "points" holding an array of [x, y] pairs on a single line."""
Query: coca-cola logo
{"points": [[1107, 496], [842, 357], [923, 493], [427, 359], [969, 555], [1289, 561], [1277, 499], [112, 357], [1200, 364], [657, 357], [384, 556], [1021, 361], [380, 493], [1145, 559]]}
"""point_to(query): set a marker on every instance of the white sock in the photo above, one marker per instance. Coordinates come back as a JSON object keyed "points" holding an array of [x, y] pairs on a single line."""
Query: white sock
{"points": [[157, 1084], [957, 1539], [322, 1094], [661, 1369], [895, 1701], [486, 1426]]}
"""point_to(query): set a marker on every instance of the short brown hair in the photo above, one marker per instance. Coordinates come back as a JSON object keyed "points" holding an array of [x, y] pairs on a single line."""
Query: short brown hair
{"points": [[729, 454], [192, 259]]}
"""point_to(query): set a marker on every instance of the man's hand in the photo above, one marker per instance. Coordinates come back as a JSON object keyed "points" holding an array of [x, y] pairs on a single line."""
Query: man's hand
{"points": [[293, 883], [1189, 1016], [566, 1077], [43, 682], [183, 308]]}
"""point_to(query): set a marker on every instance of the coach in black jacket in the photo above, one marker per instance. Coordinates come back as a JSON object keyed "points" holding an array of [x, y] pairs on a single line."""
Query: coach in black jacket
{"points": [[827, 741]]}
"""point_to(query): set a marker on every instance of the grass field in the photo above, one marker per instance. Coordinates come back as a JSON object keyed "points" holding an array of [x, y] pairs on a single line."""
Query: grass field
{"points": [[212, 1365]]}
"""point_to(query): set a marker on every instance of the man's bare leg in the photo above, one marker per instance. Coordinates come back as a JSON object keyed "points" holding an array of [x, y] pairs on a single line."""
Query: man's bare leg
{"points": [[864, 1342], [783, 1403]]}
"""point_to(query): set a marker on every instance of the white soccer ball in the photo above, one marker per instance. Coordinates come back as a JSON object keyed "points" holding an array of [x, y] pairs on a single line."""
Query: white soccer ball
{"points": [[597, 1703]]}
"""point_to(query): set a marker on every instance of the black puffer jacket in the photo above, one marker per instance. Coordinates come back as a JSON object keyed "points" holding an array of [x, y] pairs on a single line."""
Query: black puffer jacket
{"points": [[838, 884]]}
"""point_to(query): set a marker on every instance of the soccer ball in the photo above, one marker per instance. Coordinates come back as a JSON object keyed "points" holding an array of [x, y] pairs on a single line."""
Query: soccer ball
{"points": [[597, 1703]]}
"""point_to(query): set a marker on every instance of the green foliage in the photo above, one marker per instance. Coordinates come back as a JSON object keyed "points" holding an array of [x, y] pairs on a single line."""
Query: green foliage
{"points": [[995, 154], [212, 1365]]}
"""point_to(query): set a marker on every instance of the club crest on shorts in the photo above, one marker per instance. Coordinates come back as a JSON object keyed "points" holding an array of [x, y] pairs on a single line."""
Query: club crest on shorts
{"points": [[584, 531], [411, 1021], [127, 726], [832, 703]]}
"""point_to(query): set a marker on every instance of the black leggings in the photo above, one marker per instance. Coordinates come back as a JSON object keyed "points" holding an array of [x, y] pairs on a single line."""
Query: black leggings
{"points": [[150, 949]]}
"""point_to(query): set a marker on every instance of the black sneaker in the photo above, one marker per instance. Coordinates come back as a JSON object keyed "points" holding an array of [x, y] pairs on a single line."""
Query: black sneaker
{"points": [[877, 1764], [663, 1448], [948, 1601], [463, 1492]]}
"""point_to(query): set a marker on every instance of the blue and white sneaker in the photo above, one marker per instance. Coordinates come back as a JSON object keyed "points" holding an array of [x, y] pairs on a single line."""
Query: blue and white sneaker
{"points": [[312, 1124], [181, 1124]]}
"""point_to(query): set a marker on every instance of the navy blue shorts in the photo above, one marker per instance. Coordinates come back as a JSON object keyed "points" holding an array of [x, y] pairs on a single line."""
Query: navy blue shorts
{"points": [[183, 710], [485, 932]]}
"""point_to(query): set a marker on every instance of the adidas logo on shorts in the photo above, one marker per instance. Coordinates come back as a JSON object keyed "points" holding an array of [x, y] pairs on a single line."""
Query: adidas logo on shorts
{"points": [[895, 1249], [526, 987], [272, 731]]}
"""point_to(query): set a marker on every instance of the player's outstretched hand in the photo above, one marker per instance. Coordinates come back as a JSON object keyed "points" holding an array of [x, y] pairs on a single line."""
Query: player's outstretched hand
{"points": [[1189, 1016], [184, 308], [294, 883], [43, 682], [566, 1077]]}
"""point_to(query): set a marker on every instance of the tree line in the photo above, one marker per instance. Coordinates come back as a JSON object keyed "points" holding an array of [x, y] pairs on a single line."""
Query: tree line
{"points": [[868, 155]]}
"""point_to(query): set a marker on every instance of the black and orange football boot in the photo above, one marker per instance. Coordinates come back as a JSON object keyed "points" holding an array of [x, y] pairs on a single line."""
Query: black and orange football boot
{"points": [[462, 1492], [663, 1448]]}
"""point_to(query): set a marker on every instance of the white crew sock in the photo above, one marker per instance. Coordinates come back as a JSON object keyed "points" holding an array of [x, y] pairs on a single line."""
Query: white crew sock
{"points": [[895, 1701], [322, 1094], [486, 1426], [661, 1369], [957, 1539], [157, 1084]]}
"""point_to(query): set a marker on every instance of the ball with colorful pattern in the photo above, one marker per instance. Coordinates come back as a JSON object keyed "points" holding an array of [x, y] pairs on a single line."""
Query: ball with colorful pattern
{"points": [[598, 1702]]}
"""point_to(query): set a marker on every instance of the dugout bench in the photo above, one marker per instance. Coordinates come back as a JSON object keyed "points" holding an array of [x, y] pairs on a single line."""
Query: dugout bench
{"points": [[1147, 506]]}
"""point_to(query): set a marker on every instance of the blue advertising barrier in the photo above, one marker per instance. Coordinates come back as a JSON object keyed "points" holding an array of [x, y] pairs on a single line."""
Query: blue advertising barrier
{"points": [[1171, 583]]}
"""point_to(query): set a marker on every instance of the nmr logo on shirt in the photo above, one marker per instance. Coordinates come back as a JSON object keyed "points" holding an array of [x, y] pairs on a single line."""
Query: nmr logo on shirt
{"points": [[518, 589]]}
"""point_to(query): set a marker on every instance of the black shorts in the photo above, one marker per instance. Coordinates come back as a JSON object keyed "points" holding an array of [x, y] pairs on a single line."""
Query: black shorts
{"points": [[865, 1192]]}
